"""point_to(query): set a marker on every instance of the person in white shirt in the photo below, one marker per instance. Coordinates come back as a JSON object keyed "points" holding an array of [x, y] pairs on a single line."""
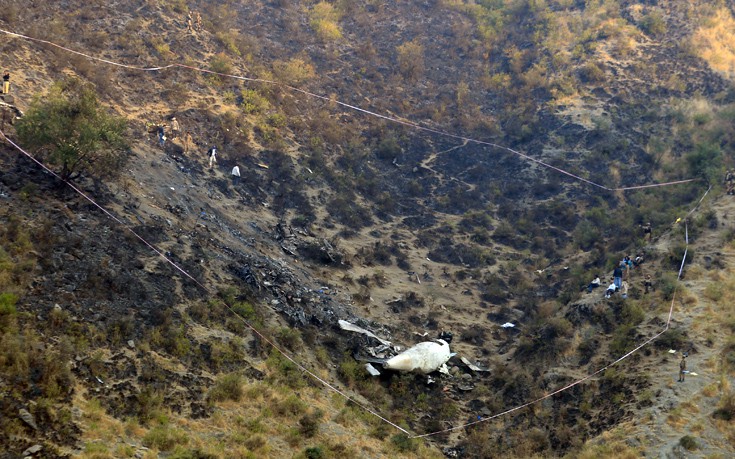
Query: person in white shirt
{"points": [[212, 156], [610, 290], [594, 284]]}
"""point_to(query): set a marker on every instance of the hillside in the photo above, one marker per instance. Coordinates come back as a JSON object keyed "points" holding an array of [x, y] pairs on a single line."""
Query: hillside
{"points": [[422, 219]]}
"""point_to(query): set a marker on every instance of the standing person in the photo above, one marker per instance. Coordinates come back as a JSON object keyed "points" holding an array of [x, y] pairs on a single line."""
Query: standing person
{"points": [[235, 175], [618, 277], [648, 283], [730, 181], [174, 127], [161, 135], [627, 265], [212, 156], [647, 231], [187, 142], [199, 20], [6, 82], [189, 22], [682, 367]]}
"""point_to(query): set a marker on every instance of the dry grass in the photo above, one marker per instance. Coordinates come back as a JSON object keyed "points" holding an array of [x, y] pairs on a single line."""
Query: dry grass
{"points": [[610, 444], [714, 41]]}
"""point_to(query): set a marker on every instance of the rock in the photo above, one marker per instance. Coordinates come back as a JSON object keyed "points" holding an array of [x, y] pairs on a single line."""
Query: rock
{"points": [[57, 307], [27, 418], [131, 344], [32, 450]]}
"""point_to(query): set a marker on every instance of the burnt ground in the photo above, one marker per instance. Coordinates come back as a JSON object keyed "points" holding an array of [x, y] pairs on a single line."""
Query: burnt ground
{"points": [[420, 258], [105, 279]]}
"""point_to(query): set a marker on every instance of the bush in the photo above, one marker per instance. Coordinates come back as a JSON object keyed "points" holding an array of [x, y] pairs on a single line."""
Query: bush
{"points": [[290, 406], [688, 443], [164, 438], [404, 443], [228, 387], [309, 423], [726, 409], [673, 338], [7, 310], [654, 24], [71, 129]]}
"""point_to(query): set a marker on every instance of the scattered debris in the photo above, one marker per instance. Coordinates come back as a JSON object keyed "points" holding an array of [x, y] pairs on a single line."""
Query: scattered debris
{"points": [[472, 366], [31, 450], [27, 418], [344, 325], [372, 370], [425, 358]]}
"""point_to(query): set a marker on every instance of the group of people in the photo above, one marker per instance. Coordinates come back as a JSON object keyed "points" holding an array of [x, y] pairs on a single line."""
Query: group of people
{"points": [[620, 278], [160, 129], [193, 20]]}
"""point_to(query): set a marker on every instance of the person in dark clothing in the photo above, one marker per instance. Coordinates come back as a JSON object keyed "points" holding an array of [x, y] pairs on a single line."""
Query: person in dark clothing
{"points": [[682, 367], [647, 232], [618, 277], [648, 284], [6, 82], [161, 135]]}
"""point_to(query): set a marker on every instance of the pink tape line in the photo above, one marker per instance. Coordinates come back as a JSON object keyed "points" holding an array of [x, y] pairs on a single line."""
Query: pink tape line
{"points": [[359, 109], [189, 276]]}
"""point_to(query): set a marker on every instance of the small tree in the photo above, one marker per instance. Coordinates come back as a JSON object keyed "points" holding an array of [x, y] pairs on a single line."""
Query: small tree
{"points": [[69, 128]]}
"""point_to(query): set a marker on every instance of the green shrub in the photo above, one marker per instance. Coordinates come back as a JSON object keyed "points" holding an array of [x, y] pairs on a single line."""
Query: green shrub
{"points": [[289, 337], [314, 452], [164, 438], [403, 443], [688, 442], [290, 406], [7, 310], [623, 340], [284, 371], [654, 24], [220, 63], [70, 126], [309, 423], [673, 338], [667, 286], [726, 408], [228, 387]]}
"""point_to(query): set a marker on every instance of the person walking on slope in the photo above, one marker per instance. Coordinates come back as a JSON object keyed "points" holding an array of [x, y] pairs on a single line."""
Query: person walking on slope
{"points": [[161, 135], [174, 127], [6, 82], [647, 232], [648, 284], [187, 142], [212, 156], [235, 175], [682, 367]]}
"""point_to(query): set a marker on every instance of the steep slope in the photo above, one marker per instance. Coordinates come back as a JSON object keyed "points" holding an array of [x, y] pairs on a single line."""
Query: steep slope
{"points": [[409, 232]]}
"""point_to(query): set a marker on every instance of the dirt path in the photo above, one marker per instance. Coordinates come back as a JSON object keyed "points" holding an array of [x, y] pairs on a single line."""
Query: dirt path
{"points": [[685, 409]]}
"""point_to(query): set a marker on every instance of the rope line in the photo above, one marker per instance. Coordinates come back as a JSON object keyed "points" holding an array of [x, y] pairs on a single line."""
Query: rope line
{"points": [[581, 380], [391, 119], [331, 386], [203, 287]]}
